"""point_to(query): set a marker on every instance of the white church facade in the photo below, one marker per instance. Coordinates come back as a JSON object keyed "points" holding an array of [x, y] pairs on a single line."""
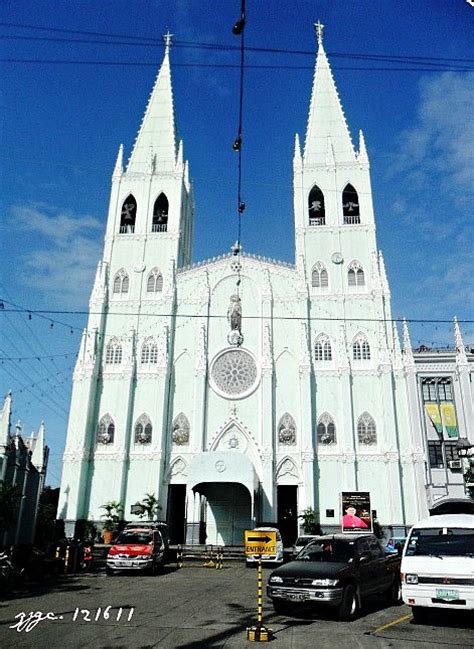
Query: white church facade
{"points": [[242, 390]]}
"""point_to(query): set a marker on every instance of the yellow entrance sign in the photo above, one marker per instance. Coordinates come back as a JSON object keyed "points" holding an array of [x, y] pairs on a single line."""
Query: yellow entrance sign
{"points": [[259, 542]]}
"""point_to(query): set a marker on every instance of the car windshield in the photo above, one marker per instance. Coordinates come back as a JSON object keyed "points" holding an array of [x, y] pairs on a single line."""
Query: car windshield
{"points": [[301, 541], [332, 550], [441, 541], [134, 538]]}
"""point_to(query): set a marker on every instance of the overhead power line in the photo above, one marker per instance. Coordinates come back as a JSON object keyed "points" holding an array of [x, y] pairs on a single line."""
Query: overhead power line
{"points": [[157, 42], [43, 312], [233, 65]]}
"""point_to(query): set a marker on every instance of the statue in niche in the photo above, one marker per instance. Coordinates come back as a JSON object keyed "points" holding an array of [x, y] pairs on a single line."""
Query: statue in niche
{"points": [[234, 313], [234, 316]]}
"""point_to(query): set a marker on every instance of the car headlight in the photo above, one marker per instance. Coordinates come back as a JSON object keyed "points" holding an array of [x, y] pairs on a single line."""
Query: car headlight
{"points": [[143, 556], [411, 579], [324, 582], [276, 580]]}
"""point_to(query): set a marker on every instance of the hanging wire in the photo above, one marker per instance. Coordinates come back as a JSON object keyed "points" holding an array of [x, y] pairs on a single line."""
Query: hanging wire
{"points": [[239, 30]]}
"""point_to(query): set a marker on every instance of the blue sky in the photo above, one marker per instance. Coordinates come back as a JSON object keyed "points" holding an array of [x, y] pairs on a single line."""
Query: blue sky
{"points": [[63, 122]]}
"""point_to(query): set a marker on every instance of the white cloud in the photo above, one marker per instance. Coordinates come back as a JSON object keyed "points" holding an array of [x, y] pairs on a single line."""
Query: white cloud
{"points": [[63, 251], [441, 143]]}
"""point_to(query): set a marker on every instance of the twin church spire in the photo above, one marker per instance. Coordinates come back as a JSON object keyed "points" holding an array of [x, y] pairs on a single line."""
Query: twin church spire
{"points": [[328, 140], [156, 142]]}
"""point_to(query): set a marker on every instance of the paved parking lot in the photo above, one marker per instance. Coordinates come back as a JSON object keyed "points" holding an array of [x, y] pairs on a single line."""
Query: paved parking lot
{"points": [[196, 608]]}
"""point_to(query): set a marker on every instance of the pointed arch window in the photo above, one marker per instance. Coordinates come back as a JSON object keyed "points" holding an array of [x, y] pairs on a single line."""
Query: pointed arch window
{"points": [[326, 430], [319, 276], [355, 274], [149, 355], [106, 430], [155, 281], [350, 205], [366, 430], [121, 282], [128, 215], [143, 430], [360, 349], [113, 352], [160, 214], [316, 209], [322, 349], [180, 430], [286, 429]]}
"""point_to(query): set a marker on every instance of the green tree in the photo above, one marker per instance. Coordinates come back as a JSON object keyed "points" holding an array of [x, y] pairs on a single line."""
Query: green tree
{"points": [[310, 518], [150, 506], [112, 516], [9, 505]]}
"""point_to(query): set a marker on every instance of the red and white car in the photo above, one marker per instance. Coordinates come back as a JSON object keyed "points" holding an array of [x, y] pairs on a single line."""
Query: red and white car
{"points": [[138, 549]]}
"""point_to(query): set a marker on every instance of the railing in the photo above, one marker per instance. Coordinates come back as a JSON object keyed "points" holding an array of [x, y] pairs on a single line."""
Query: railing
{"points": [[127, 229], [317, 220], [208, 556], [351, 220], [158, 227]]}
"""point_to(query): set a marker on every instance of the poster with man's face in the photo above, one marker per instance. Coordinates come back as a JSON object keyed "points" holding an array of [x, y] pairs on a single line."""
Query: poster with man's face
{"points": [[356, 511]]}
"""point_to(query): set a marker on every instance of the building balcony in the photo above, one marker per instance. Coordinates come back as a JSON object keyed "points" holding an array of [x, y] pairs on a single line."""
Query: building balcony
{"points": [[159, 227], [127, 229], [317, 220]]}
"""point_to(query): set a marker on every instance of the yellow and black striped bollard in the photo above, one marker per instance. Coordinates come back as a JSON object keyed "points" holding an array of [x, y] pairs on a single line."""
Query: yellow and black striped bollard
{"points": [[66, 559], [259, 633]]}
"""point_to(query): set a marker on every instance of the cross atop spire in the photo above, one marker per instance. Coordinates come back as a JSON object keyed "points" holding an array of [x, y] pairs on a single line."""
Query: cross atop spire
{"points": [[319, 27], [168, 40]]}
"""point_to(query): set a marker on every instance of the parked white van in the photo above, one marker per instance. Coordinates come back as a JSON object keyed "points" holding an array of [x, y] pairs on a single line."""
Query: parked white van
{"points": [[438, 564]]}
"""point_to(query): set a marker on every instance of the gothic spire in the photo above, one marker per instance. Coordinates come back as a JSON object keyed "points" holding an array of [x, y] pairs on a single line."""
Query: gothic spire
{"points": [[37, 456], [326, 117], [407, 349], [461, 357], [157, 129], [118, 169], [5, 420]]}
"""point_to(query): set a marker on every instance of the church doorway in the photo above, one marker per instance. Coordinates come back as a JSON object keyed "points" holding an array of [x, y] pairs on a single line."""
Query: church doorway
{"points": [[227, 512], [176, 512], [287, 499]]}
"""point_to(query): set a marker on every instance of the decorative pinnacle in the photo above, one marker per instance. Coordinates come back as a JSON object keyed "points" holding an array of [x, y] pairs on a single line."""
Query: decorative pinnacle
{"points": [[319, 31], [168, 40]]}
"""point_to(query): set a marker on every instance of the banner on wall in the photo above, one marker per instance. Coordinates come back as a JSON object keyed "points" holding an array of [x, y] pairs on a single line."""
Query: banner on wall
{"points": [[432, 410], [356, 511], [448, 415]]}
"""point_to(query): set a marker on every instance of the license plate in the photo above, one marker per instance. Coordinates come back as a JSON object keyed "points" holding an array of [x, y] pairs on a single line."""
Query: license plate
{"points": [[448, 594], [296, 597], [123, 564]]}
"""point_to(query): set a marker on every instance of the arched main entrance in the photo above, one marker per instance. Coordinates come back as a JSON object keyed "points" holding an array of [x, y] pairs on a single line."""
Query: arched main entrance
{"points": [[225, 512], [221, 490]]}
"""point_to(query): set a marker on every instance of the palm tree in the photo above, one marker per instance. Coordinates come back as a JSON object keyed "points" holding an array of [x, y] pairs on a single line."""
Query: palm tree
{"points": [[150, 506]]}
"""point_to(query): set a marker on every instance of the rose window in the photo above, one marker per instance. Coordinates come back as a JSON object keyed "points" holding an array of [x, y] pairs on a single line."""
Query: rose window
{"points": [[234, 372]]}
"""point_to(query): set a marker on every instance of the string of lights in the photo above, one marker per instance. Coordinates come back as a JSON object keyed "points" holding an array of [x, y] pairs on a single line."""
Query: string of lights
{"points": [[239, 30]]}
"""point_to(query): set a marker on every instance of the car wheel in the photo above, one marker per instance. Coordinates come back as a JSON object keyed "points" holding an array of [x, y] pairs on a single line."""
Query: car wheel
{"points": [[349, 607], [394, 594], [280, 607], [420, 614], [109, 571]]}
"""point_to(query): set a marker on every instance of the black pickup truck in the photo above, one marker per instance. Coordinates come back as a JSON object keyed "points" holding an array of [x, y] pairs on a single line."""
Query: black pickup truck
{"points": [[339, 570]]}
